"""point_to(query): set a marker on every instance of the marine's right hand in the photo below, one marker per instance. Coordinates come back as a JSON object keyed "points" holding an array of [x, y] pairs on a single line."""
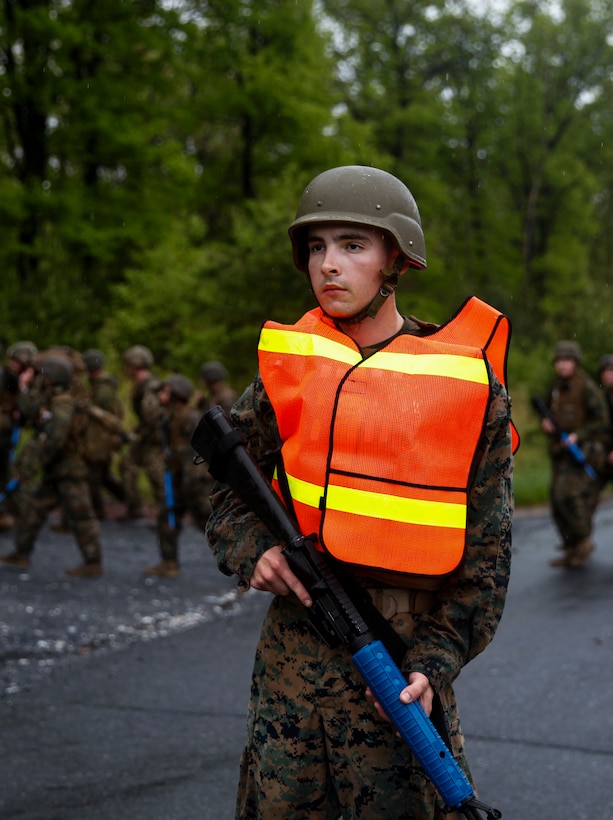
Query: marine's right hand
{"points": [[272, 574]]}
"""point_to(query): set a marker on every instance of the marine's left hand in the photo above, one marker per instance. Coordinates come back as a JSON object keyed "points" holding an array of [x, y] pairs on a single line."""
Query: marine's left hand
{"points": [[418, 689]]}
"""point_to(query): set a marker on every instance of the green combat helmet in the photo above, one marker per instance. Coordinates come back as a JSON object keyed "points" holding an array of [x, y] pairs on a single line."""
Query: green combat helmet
{"points": [[606, 362], [138, 356], [94, 359], [568, 350], [180, 385], [56, 371], [361, 195], [213, 372], [22, 352]]}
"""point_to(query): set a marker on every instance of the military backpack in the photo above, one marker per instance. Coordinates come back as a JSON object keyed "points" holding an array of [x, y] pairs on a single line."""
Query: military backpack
{"points": [[101, 433]]}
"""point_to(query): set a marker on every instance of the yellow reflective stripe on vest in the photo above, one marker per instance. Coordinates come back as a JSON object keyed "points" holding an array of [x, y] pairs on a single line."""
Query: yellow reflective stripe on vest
{"points": [[428, 364], [303, 491], [380, 505], [306, 344], [394, 508], [450, 366]]}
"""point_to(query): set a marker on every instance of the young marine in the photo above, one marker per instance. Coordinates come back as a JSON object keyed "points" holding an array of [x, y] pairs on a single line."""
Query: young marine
{"points": [[188, 484], [580, 411], [390, 439], [54, 455]]}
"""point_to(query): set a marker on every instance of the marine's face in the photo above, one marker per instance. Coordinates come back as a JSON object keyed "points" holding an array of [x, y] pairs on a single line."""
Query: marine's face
{"points": [[345, 263], [565, 368]]}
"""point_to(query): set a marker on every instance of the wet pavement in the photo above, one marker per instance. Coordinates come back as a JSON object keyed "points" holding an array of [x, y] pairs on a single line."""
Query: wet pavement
{"points": [[126, 697]]}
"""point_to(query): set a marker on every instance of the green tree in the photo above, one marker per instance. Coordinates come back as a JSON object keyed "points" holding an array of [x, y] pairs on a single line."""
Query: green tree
{"points": [[262, 124], [422, 74], [550, 88], [89, 151]]}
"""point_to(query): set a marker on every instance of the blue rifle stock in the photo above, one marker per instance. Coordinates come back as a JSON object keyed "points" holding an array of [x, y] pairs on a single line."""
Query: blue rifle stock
{"points": [[169, 490], [14, 482], [9, 489], [574, 449], [15, 436], [341, 613]]}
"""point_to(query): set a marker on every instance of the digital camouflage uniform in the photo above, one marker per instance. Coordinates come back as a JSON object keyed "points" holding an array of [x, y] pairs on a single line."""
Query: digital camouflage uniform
{"points": [[189, 481], [578, 407], [12, 417], [607, 391], [54, 453], [145, 451], [103, 393], [9, 423], [219, 393], [308, 702]]}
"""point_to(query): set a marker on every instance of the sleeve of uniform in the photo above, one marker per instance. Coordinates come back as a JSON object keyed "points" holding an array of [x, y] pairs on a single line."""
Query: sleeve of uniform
{"points": [[236, 536], [50, 442], [470, 604], [596, 407], [151, 411]]}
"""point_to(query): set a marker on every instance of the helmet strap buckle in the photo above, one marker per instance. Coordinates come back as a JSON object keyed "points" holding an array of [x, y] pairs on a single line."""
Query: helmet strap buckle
{"points": [[387, 287]]}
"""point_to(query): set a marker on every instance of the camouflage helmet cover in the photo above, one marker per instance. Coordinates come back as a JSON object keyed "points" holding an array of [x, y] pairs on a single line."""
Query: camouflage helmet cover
{"points": [[22, 352], [606, 362], [180, 385], [56, 370], [363, 195], [213, 372], [138, 356], [568, 350], [94, 359]]}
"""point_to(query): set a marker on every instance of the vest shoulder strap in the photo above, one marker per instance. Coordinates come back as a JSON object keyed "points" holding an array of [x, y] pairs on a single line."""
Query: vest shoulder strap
{"points": [[478, 324]]}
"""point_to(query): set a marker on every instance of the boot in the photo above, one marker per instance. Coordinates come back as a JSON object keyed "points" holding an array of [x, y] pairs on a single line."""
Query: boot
{"points": [[168, 568], [562, 561], [16, 559], [581, 553], [91, 569], [7, 522]]}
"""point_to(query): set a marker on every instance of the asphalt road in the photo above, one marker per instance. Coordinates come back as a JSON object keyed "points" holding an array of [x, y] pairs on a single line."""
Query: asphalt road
{"points": [[125, 697]]}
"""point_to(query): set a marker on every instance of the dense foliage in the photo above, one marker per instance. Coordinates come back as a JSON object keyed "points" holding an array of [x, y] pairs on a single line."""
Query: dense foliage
{"points": [[152, 154]]}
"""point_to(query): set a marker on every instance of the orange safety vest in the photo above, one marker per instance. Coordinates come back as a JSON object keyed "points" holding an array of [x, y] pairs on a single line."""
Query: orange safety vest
{"points": [[378, 453]]}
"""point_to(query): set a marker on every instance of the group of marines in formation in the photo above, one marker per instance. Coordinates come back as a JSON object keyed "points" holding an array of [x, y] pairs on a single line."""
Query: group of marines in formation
{"points": [[65, 444]]}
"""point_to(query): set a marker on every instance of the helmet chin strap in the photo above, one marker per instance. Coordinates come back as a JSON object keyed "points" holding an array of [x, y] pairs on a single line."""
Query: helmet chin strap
{"points": [[386, 288]]}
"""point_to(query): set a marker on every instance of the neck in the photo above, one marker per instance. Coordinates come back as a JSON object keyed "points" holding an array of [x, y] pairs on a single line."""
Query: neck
{"points": [[369, 331]]}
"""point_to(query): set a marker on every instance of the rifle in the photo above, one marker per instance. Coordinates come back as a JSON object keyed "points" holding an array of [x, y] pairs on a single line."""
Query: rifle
{"points": [[14, 483], [15, 436], [341, 613], [575, 451], [169, 490], [10, 488]]}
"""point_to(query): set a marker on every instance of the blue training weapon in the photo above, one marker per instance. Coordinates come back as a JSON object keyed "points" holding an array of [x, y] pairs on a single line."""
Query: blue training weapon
{"points": [[169, 490], [15, 436], [574, 449], [14, 483], [9, 489], [342, 613]]}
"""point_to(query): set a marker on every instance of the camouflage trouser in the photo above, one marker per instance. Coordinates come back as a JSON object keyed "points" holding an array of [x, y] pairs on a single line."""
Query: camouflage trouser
{"points": [[142, 457], [317, 750], [191, 496], [5, 469], [5, 473], [574, 498], [34, 504]]}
